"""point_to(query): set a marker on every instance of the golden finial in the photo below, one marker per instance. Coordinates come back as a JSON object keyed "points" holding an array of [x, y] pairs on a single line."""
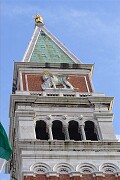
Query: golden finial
{"points": [[38, 19]]}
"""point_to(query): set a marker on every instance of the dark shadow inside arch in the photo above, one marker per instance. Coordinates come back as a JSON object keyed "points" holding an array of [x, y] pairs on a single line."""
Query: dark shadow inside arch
{"points": [[90, 131], [57, 130], [73, 129], [40, 130]]}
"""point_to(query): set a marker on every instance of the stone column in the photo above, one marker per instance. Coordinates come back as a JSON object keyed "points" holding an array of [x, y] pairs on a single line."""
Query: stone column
{"points": [[50, 131], [99, 135], [81, 126], [66, 132]]}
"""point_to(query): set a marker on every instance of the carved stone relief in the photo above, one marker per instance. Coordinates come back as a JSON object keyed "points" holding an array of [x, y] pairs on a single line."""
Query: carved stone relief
{"points": [[51, 81]]}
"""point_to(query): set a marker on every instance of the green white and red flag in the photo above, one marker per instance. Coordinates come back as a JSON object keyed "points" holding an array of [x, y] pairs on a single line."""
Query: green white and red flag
{"points": [[5, 148]]}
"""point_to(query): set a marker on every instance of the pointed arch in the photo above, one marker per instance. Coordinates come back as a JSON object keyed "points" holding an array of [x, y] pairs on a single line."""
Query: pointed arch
{"points": [[90, 131], [41, 130], [73, 129]]}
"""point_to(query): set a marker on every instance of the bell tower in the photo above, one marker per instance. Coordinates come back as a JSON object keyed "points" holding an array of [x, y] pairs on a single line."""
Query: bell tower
{"points": [[60, 128]]}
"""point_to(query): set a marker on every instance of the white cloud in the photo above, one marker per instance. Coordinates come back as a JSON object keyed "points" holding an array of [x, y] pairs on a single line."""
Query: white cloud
{"points": [[93, 20], [118, 137], [10, 10], [89, 20]]}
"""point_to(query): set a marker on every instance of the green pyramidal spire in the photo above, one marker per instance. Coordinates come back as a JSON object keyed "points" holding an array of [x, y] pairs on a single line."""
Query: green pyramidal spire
{"points": [[45, 48]]}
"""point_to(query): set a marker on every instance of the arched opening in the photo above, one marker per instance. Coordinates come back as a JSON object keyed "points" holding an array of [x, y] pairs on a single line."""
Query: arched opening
{"points": [[90, 131], [57, 130], [40, 130], [73, 129]]}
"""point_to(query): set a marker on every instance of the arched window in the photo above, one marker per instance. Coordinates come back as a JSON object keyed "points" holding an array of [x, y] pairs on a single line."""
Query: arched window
{"points": [[57, 130], [90, 131], [73, 129], [40, 130]]}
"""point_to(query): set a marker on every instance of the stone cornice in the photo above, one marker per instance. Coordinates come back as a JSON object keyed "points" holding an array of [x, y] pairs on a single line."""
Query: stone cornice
{"points": [[34, 65], [61, 101]]}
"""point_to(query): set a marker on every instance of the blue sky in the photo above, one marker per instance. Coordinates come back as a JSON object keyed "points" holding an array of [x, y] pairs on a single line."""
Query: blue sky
{"points": [[90, 29]]}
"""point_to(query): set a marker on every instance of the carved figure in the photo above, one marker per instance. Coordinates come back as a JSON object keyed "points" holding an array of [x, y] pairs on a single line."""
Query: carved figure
{"points": [[52, 81]]}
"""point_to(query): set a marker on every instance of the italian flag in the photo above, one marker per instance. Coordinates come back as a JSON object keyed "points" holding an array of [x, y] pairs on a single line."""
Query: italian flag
{"points": [[5, 149]]}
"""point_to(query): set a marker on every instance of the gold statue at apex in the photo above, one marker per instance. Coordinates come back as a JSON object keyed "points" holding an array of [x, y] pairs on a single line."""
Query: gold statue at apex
{"points": [[38, 19]]}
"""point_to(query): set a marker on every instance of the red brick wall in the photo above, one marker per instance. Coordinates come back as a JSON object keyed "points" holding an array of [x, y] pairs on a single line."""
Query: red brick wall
{"points": [[87, 177], [64, 177], [111, 177], [78, 83], [67, 177], [98, 178], [52, 178], [28, 177], [35, 81], [38, 177], [76, 178]]}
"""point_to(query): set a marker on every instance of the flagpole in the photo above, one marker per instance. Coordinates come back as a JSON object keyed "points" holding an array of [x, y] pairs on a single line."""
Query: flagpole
{"points": [[3, 164]]}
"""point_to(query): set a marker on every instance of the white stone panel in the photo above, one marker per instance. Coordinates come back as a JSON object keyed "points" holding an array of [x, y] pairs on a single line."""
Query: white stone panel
{"points": [[26, 130], [107, 131]]}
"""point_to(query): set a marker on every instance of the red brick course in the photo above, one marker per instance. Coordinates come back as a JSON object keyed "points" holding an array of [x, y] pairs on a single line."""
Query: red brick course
{"points": [[88, 177], [67, 177], [52, 178], [64, 177], [99, 178], [37, 177], [75, 178], [110, 177]]}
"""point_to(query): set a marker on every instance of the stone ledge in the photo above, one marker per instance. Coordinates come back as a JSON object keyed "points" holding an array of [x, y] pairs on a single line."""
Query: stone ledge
{"points": [[59, 145]]}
